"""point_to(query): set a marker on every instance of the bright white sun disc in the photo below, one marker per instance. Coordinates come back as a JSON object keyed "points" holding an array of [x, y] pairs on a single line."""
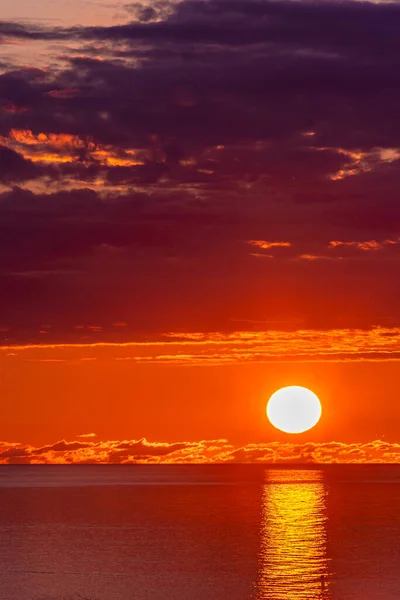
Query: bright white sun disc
{"points": [[294, 409]]}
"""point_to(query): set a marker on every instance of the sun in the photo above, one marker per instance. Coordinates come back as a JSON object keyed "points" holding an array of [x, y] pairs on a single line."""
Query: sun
{"points": [[294, 409]]}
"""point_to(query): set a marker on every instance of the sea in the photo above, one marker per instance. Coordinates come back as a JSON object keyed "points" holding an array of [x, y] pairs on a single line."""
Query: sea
{"points": [[200, 532]]}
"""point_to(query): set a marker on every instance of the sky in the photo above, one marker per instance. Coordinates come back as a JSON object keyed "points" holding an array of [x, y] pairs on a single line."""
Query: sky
{"points": [[198, 205]]}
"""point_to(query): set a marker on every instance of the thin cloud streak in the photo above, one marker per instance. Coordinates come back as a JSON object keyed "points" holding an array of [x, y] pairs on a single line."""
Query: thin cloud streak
{"points": [[197, 349]]}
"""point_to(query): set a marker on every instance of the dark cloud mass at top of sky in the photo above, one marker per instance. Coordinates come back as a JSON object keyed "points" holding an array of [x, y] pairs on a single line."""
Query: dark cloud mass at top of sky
{"points": [[139, 162]]}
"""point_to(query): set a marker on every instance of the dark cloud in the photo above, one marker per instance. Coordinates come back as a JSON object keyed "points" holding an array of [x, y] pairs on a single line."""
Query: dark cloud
{"points": [[301, 64], [14, 452], [38, 229], [327, 25], [15, 168], [61, 446], [144, 450], [145, 13], [149, 154]]}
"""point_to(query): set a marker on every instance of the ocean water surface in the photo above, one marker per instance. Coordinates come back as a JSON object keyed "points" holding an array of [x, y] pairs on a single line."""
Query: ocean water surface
{"points": [[216, 532]]}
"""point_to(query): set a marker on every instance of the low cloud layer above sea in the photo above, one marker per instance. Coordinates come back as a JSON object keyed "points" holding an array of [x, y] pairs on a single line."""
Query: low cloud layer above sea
{"points": [[198, 452]]}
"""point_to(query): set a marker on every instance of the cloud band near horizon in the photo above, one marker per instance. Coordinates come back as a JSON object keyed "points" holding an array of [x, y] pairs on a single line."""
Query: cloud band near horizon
{"points": [[199, 452]]}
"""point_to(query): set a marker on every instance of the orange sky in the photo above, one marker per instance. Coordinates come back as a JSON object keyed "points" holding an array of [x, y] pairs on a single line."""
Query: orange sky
{"points": [[198, 206], [163, 392]]}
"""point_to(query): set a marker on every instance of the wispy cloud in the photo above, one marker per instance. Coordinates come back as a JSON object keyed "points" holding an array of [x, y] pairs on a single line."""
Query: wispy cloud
{"points": [[366, 246], [375, 344], [332, 250], [265, 244]]}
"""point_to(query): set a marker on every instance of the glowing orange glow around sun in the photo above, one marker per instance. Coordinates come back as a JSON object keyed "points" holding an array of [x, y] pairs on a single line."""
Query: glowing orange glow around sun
{"points": [[294, 409]]}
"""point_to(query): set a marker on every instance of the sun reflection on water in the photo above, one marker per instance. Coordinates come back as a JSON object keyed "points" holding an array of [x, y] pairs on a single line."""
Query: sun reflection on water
{"points": [[293, 558]]}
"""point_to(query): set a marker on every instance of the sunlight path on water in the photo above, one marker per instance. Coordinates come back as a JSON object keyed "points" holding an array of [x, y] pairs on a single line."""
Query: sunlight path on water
{"points": [[293, 560]]}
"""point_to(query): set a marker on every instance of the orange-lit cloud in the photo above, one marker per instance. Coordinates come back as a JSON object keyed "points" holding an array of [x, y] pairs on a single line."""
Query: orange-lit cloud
{"points": [[337, 245], [375, 344], [362, 162], [312, 257], [265, 244], [200, 452], [58, 148], [366, 246]]}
